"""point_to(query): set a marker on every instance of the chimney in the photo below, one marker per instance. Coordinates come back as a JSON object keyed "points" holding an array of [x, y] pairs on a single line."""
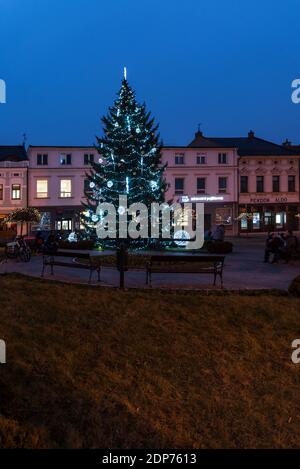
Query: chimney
{"points": [[250, 134], [287, 143]]}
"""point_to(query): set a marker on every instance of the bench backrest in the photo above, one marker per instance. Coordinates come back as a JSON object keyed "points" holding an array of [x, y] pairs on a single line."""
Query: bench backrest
{"points": [[186, 258], [78, 255]]}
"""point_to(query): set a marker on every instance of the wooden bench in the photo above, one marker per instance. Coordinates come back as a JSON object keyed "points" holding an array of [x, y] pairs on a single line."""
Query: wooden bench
{"points": [[91, 263], [186, 264]]}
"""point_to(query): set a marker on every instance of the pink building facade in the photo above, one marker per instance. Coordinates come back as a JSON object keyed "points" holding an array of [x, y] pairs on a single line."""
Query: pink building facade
{"points": [[57, 179], [247, 184], [208, 173], [13, 181]]}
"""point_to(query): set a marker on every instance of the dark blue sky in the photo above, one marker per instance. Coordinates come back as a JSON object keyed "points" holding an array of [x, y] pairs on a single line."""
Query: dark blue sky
{"points": [[226, 63]]}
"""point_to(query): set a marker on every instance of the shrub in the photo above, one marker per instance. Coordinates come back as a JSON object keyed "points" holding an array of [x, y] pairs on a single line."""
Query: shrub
{"points": [[219, 247], [294, 287], [83, 244]]}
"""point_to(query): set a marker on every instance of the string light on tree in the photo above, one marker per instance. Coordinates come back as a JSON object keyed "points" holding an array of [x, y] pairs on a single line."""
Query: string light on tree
{"points": [[130, 159]]}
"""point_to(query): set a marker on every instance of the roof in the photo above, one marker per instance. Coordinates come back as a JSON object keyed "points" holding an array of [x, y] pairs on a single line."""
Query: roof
{"points": [[13, 153], [246, 146], [62, 146]]}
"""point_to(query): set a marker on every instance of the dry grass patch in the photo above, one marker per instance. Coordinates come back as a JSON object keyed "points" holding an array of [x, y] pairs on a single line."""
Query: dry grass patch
{"points": [[91, 367]]}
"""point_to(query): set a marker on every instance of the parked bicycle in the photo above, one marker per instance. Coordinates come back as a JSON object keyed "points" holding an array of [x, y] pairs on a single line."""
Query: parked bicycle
{"points": [[18, 249]]}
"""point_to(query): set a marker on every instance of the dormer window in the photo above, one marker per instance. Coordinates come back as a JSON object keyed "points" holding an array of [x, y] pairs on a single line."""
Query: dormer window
{"points": [[179, 158]]}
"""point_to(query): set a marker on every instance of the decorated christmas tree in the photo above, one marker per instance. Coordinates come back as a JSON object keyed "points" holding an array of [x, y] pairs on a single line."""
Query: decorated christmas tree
{"points": [[128, 163]]}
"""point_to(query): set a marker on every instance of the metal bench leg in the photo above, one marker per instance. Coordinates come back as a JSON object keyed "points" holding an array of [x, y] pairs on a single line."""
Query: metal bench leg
{"points": [[99, 274], [90, 277], [215, 278], [147, 277], [221, 277]]}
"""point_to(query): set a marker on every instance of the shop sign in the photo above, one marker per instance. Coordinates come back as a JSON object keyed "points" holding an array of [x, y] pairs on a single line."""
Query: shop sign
{"points": [[202, 198], [267, 200]]}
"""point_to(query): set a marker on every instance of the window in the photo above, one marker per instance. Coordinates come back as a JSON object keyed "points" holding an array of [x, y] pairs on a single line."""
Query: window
{"points": [[16, 191], [291, 183], [259, 183], [256, 220], [201, 185], [222, 184], [179, 185], [276, 183], [42, 160], [1, 191], [244, 184], [222, 158], [201, 158], [87, 187], [65, 159], [64, 225], [65, 188], [88, 159], [179, 158], [42, 188]]}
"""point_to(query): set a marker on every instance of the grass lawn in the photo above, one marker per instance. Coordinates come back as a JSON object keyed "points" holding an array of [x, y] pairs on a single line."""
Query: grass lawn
{"points": [[91, 367]]}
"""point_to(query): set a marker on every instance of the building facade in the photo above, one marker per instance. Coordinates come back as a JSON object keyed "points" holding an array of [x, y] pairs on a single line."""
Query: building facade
{"points": [[57, 179], [13, 181], [247, 184], [268, 186], [205, 171]]}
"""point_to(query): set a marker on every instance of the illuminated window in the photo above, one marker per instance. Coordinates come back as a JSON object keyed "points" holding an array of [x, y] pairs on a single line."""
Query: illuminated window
{"points": [[42, 188], [1, 191], [65, 188], [64, 225], [16, 192]]}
